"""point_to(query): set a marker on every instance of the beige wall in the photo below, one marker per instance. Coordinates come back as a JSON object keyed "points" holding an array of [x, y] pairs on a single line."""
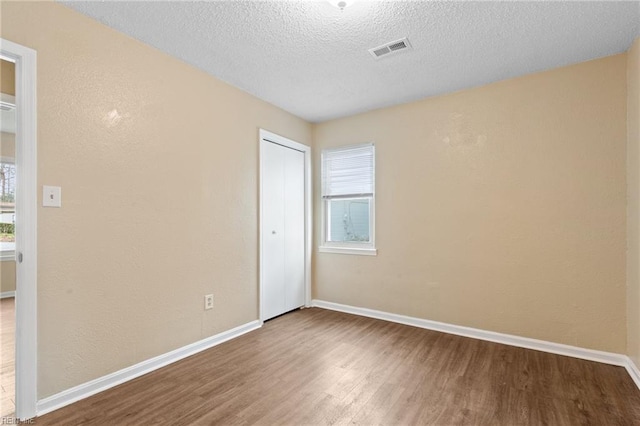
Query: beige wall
{"points": [[633, 197], [7, 77], [7, 276], [158, 164], [500, 208]]}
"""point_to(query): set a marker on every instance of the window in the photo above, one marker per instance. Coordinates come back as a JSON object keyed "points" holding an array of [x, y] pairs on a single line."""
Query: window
{"points": [[7, 209], [348, 186]]}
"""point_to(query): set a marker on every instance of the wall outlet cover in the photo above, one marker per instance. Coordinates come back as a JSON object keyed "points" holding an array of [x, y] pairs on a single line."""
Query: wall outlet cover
{"points": [[208, 301]]}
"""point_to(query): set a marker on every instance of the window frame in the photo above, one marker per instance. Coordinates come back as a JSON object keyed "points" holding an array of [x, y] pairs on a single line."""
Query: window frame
{"points": [[348, 247]]}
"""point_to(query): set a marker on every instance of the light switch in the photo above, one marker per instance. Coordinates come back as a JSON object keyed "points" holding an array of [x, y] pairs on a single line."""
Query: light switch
{"points": [[51, 196]]}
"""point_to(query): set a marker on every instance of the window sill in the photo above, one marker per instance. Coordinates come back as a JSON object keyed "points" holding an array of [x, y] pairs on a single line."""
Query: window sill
{"points": [[7, 255], [349, 250]]}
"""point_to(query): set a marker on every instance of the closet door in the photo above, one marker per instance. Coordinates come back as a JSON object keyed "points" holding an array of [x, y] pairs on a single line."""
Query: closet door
{"points": [[273, 230], [293, 229], [282, 229]]}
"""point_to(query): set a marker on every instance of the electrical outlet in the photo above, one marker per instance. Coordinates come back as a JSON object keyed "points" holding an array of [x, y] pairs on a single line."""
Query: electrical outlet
{"points": [[208, 301]]}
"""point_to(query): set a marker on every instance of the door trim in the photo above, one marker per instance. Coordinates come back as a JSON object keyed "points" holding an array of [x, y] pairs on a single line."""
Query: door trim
{"points": [[268, 137], [26, 227]]}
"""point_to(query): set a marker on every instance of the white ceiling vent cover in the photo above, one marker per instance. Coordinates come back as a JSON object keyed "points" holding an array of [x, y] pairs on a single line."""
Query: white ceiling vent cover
{"points": [[391, 47]]}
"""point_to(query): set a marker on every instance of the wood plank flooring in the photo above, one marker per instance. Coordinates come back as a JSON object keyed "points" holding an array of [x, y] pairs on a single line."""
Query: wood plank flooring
{"points": [[316, 366], [7, 357]]}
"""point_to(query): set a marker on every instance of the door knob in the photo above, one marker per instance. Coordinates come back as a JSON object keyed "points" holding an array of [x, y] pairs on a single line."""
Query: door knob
{"points": [[273, 232]]}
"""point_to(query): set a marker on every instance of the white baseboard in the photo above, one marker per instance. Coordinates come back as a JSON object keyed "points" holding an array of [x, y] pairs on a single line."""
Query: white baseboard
{"points": [[100, 384], [6, 294], [633, 371], [491, 336]]}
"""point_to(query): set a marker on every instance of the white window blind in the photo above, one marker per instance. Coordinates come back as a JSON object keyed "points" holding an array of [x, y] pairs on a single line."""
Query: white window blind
{"points": [[348, 172]]}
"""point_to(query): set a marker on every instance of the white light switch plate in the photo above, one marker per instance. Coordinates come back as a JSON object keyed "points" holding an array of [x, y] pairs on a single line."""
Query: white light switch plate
{"points": [[51, 196]]}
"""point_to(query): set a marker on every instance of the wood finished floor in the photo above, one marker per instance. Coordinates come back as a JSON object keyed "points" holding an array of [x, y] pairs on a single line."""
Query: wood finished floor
{"points": [[7, 357], [316, 366]]}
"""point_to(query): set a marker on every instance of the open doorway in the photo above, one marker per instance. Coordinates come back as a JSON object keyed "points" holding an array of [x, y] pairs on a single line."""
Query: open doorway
{"points": [[25, 258], [7, 237]]}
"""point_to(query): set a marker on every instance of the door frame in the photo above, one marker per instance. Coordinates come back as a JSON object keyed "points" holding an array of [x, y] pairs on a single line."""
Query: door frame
{"points": [[269, 137], [26, 377]]}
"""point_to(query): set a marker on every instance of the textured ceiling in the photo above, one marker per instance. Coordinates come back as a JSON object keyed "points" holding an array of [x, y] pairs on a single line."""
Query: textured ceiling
{"points": [[311, 59]]}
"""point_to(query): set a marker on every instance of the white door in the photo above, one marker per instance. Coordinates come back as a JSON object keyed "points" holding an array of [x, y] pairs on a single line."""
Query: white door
{"points": [[283, 229]]}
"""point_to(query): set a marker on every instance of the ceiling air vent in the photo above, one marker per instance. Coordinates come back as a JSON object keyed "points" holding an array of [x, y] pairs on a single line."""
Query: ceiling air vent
{"points": [[389, 48]]}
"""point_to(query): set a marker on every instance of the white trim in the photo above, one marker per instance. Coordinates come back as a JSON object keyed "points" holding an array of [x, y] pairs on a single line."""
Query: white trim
{"points": [[103, 383], [7, 255], [492, 336], [633, 371], [349, 250], [7, 294], [281, 140], [26, 226], [8, 99], [269, 137]]}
